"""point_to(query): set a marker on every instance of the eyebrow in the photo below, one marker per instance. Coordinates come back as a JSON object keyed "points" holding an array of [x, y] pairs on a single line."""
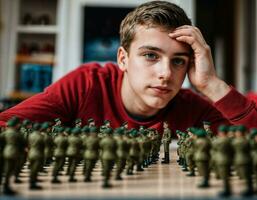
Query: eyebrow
{"points": [[153, 48]]}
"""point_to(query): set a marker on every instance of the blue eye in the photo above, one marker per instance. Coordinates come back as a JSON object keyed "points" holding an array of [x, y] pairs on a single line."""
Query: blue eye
{"points": [[150, 56], [178, 61]]}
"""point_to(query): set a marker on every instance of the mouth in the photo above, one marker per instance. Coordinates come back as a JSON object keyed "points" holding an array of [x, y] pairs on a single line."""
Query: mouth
{"points": [[161, 89]]}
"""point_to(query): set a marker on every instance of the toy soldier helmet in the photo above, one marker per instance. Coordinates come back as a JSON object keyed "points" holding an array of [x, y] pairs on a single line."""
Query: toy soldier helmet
{"points": [[85, 129], [93, 129], [206, 123], [241, 128], [191, 129], [76, 130], [90, 120], [57, 119], [178, 132], [200, 132], [45, 125], [77, 121], [13, 121], [106, 121], [36, 126], [25, 122], [223, 128]]}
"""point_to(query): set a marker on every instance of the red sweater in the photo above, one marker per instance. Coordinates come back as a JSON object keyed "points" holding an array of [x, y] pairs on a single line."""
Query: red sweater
{"points": [[94, 91]]}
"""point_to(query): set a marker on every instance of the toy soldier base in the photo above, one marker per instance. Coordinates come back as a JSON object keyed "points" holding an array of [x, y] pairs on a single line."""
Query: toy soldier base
{"points": [[166, 159]]}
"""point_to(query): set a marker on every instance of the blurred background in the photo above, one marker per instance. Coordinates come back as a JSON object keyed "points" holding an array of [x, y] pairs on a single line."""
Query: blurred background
{"points": [[42, 40]]}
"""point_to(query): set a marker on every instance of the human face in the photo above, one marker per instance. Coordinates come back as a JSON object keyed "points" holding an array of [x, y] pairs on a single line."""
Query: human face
{"points": [[154, 70]]}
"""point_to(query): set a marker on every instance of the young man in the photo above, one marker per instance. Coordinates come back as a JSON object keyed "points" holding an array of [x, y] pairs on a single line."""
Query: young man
{"points": [[158, 48]]}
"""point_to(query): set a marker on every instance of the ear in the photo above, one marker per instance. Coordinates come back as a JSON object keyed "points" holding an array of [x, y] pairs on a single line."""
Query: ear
{"points": [[122, 56]]}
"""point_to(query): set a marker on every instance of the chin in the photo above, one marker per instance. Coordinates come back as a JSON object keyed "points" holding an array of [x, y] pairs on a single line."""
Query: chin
{"points": [[158, 104]]}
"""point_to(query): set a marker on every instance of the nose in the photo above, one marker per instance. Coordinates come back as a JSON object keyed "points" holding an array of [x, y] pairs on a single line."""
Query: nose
{"points": [[164, 71]]}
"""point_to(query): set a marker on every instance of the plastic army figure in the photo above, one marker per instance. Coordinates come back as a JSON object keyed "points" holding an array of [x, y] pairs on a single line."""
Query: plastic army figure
{"points": [[55, 127], [35, 155], [142, 143], [49, 144], [78, 123], [10, 153], [166, 140], [134, 152], [207, 128], [91, 122], [73, 152], [108, 146], [223, 158], [202, 156], [91, 154], [189, 142], [2, 144], [122, 152], [61, 144], [253, 133], [242, 158]]}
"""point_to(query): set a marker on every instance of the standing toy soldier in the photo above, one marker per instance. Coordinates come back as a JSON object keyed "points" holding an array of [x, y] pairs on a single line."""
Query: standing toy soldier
{"points": [[56, 126], [166, 140], [207, 128], [253, 133], [36, 155], [108, 156], [202, 156], [122, 152], [78, 123], [91, 153], [2, 144], [61, 144], [223, 158], [73, 152], [189, 142], [11, 152], [242, 158], [134, 151], [49, 144]]}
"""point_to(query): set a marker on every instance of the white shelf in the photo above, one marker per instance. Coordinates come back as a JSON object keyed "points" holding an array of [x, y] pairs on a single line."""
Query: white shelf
{"points": [[39, 29]]}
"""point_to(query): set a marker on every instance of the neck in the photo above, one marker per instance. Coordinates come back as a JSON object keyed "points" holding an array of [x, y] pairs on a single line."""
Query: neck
{"points": [[133, 104]]}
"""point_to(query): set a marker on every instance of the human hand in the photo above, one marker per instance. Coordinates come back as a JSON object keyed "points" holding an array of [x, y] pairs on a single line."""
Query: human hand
{"points": [[201, 72]]}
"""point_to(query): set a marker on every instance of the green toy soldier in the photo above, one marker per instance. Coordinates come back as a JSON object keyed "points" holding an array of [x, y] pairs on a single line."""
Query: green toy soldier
{"points": [[91, 153], [134, 151], [2, 144], [108, 156], [253, 133], [223, 158], [49, 144], [189, 142], [207, 128], [56, 126], [61, 144], [202, 156], [122, 152], [11, 152], [73, 152], [166, 140], [78, 123], [242, 158], [36, 155]]}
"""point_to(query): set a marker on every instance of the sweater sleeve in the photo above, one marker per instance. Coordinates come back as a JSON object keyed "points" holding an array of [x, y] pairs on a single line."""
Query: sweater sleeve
{"points": [[59, 100], [238, 109]]}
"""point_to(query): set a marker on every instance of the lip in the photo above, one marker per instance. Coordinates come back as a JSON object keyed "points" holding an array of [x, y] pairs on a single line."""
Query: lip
{"points": [[161, 89]]}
